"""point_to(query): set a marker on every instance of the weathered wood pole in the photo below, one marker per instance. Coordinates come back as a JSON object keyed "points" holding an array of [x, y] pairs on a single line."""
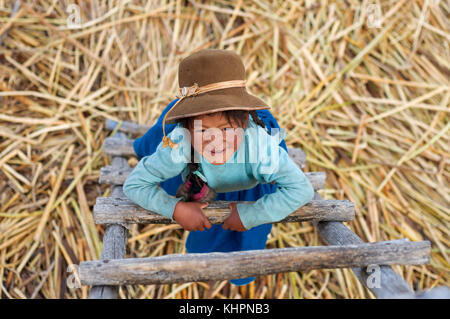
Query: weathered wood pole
{"points": [[114, 240], [176, 268], [390, 284]]}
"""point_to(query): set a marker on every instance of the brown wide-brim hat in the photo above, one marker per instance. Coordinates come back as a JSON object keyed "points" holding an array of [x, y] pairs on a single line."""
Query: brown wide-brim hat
{"points": [[220, 76]]}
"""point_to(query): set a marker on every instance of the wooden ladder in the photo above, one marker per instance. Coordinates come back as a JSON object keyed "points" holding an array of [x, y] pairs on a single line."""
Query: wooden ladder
{"points": [[345, 249]]}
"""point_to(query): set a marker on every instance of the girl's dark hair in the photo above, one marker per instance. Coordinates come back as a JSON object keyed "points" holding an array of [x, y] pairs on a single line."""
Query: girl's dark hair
{"points": [[239, 117]]}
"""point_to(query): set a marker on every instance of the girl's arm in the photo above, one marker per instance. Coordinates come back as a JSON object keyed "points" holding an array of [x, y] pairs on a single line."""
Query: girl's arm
{"points": [[294, 190], [142, 185]]}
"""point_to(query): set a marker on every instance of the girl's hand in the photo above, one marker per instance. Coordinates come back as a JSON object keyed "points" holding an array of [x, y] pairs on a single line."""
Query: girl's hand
{"points": [[190, 215], [233, 221]]}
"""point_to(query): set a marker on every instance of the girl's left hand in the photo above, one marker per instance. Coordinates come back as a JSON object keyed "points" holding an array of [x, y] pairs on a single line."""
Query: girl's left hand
{"points": [[233, 221]]}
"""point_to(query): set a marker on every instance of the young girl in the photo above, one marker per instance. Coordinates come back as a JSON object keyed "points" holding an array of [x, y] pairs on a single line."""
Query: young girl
{"points": [[199, 160]]}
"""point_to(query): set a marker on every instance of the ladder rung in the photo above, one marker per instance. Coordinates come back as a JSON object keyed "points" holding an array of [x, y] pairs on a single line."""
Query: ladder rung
{"points": [[124, 147], [178, 268], [127, 127], [118, 146], [109, 210], [112, 175]]}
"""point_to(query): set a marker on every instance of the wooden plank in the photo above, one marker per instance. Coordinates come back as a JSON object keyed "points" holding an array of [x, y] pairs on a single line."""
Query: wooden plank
{"points": [[111, 175], [121, 209], [127, 127], [124, 147], [390, 283], [114, 240], [178, 268], [118, 147]]}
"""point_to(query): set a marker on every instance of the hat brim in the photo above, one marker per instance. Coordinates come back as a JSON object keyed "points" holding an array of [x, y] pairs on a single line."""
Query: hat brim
{"points": [[215, 101]]}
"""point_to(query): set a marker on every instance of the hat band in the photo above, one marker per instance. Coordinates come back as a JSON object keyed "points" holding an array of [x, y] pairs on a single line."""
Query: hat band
{"points": [[193, 91]]}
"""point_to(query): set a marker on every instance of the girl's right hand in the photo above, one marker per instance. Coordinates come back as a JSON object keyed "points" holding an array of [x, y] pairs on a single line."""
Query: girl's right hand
{"points": [[190, 215]]}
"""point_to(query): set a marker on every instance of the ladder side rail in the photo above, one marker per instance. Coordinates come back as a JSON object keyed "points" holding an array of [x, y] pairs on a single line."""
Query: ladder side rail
{"points": [[115, 238]]}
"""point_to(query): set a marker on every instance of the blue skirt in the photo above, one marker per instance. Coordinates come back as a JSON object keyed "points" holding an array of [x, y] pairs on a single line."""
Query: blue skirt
{"points": [[215, 239]]}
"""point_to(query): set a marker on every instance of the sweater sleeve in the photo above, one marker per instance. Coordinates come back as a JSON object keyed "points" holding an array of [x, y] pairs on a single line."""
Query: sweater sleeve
{"points": [[294, 189], [142, 185]]}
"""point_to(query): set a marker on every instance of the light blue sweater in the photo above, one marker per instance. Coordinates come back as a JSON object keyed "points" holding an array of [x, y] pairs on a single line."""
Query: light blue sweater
{"points": [[259, 159]]}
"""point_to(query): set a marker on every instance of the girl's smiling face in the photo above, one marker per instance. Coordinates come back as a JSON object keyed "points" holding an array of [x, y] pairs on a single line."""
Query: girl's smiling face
{"points": [[215, 138]]}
